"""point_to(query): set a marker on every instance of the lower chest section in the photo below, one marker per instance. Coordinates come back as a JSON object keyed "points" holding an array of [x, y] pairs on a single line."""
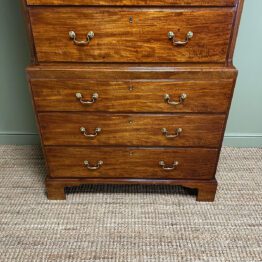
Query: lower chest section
{"points": [[132, 122]]}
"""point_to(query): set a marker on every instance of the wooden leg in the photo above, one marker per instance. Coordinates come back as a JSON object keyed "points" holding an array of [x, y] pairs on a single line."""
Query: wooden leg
{"points": [[55, 191], [206, 193]]}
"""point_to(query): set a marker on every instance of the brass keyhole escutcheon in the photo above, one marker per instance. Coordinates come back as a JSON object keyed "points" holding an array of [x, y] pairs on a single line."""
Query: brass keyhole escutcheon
{"points": [[131, 20]]}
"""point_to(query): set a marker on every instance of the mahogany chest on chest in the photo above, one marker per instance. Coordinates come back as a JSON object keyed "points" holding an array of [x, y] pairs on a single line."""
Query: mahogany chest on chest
{"points": [[132, 91]]}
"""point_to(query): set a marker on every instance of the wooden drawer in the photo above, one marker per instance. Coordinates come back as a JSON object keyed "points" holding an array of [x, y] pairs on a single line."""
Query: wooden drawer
{"points": [[131, 34], [134, 2], [131, 162], [132, 96], [131, 130]]}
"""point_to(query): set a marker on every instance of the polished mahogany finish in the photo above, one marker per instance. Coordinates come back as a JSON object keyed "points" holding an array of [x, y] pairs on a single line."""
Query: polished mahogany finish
{"points": [[131, 129], [210, 96], [117, 39], [135, 2], [132, 91], [131, 162]]}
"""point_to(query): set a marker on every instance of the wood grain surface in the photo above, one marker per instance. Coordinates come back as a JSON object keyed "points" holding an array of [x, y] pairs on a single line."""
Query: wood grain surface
{"points": [[132, 71], [134, 2], [132, 96], [131, 130], [143, 40], [131, 162]]}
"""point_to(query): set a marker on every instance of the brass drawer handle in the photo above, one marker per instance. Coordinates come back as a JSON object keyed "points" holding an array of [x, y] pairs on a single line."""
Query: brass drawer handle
{"points": [[168, 168], [79, 96], [97, 166], [171, 36], [89, 37], [166, 133], [96, 132], [182, 98]]}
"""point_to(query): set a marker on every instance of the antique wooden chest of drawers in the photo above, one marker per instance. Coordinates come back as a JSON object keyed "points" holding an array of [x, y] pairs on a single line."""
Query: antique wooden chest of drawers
{"points": [[132, 91]]}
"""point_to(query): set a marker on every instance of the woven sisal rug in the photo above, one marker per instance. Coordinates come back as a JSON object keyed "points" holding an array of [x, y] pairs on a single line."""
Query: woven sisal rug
{"points": [[130, 223]]}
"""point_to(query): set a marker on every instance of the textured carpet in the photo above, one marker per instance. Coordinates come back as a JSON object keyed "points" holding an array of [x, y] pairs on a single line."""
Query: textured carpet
{"points": [[130, 223]]}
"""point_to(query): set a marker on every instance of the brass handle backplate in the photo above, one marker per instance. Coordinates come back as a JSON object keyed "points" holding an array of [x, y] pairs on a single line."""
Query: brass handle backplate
{"points": [[89, 37], [90, 167], [96, 132], [167, 167], [171, 36], [177, 133], [79, 96], [182, 98]]}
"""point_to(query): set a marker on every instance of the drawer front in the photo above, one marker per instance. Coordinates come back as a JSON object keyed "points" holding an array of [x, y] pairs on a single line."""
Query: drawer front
{"points": [[134, 2], [131, 130], [132, 96], [120, 32], [131, 162]]}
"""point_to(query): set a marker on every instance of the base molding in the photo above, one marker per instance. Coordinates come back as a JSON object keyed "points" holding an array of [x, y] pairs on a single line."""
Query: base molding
{"points": [[206, 189], [243, 140], [19, 139]]}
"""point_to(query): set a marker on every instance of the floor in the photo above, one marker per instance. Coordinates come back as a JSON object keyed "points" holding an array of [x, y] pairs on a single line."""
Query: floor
{"points": [[130, 223]]}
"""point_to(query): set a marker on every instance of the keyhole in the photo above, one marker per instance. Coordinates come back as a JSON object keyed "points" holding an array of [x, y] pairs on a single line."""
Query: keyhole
{"points": [[130, 19]]}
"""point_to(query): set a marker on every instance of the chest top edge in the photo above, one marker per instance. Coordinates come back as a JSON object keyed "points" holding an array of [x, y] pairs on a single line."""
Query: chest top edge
{"points": [[215, 3]]}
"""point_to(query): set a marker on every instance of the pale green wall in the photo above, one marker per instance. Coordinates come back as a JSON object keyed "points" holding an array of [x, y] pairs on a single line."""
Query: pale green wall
{"points": [[245, 120], [17, 122]]}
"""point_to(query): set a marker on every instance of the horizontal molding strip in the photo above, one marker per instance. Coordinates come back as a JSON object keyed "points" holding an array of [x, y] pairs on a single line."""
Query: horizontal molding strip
{"points": [[243, 140], [11, 138], [243, 134]]}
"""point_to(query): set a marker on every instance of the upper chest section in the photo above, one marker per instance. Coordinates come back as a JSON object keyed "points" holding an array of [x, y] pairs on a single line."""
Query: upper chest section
{"points": [[189, 31]]}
